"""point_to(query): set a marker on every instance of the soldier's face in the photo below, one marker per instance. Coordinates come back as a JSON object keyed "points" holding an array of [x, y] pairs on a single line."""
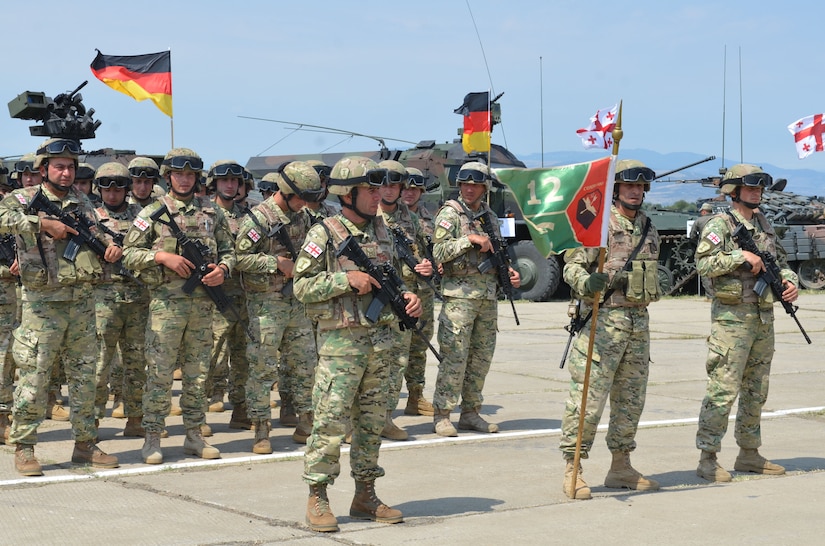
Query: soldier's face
{"points": [[142, 187], [368, 199], [113, 196], [390, 192], [182, 182], [632, 194], [30, 178], [83, 186], [472, 193], [411, 196], [60, 171], [228, 186], [750, 194]]}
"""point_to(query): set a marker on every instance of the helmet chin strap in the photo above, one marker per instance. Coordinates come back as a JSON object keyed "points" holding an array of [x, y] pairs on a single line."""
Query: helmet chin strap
{"points": [[628, 206], [226, 197], [58, 186], [353, 208], [190, 193], [388, 203], [737, 199], [116, 208]]}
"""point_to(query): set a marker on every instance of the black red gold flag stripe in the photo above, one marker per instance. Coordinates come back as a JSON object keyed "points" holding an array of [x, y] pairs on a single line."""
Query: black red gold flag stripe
{"points": [[477, 123], [139, 76]]}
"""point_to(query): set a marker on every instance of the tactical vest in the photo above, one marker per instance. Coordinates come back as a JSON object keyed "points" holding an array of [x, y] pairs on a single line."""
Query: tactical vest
{"points": [[349, 309], [405, 221], [642, 280], [737, 286], [232, 286], [119, 223], [467, 263]]}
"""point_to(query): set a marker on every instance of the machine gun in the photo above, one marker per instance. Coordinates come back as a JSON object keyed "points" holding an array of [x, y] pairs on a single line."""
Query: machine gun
{"points": [[196, 252], [404, 247], [500, 259], [771, 277], [65, 116], [389, 293], [8, 250], [82, 225]]}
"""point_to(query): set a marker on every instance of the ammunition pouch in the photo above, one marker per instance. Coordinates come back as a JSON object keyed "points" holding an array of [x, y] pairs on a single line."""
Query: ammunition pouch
{"points": [[643, 282]]}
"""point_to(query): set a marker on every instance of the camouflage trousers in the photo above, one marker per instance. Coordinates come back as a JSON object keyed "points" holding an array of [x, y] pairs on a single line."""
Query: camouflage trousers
{"points": [[397, 360], [740, 350], [229, 365], [123, 325], [417, 365], [619, 371], [179, 330], [350, 388], [46, 329], [467, 340], [8, 320], [284, 333]]}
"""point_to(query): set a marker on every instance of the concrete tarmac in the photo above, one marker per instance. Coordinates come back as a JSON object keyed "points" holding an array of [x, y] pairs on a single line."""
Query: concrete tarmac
{"points": [[477, 488]]}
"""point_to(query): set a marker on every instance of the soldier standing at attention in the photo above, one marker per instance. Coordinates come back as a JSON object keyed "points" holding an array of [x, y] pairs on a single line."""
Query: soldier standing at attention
{"points": [[144, 172], [469, 316], [621, 350], [276, 316], [741, 342], [8, 320], [319, 208], [414, 188], [180, 324], [351, 378], [58, 308]]}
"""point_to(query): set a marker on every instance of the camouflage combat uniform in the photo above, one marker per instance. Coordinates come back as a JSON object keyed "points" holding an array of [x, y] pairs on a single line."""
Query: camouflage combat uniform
{"points": [[741, 342], [351, 377], [179, 324], [417, 364], [621, 349], [8, 321]]}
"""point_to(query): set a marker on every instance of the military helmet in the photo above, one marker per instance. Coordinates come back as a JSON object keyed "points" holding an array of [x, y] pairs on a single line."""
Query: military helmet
{"points": [[396, 172], [248, 180], [475, 172], [224, 168], [112, 174], [25, 163], [415, 179], [143, 167], [85, 171], [267, 183], [4, 180], [706, 207], [321, 168], [631, 171], [299, 178], [57, 147], [744, 174], [354, 171], [179, 159]]}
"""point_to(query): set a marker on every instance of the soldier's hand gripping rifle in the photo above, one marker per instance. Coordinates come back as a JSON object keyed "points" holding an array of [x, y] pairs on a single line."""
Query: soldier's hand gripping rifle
{"points": [[82, 225], [389, 293], [428, 253], [196, 252], [500, 259], [403, 246], [771, 277], [577, 322], [281, 235]]}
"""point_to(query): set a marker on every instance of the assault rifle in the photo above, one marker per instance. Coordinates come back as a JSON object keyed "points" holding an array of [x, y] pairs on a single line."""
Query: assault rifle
{"points": [[404, 247], [389, 293], [577, 322], [82, 225], [117, 237], [500, 259], [8, 250], [280, 233], [771, 277], [428, 253], [195, 251]]}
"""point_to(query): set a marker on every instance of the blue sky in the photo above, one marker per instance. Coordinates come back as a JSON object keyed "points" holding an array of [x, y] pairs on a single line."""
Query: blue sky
{"points": [[398, 69]]}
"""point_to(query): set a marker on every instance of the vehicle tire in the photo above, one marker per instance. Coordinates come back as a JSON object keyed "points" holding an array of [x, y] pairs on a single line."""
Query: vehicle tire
{"points": [[665, 279], [540, 276], [812, 274]]}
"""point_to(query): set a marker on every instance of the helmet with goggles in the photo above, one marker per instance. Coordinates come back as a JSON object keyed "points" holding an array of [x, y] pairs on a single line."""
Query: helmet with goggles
{"points": [[180, 159], [224, 168], [112, 175], [57, 147], [85, 171], [475, 172], [396, 172], [631, 171], [415, 179], [298, 178], [744, 174], [143, 167], [25, 163], [355, 171]]}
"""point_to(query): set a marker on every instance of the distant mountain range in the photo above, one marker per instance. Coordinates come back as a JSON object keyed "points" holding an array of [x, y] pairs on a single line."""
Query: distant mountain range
{"points": [[800, 181]]}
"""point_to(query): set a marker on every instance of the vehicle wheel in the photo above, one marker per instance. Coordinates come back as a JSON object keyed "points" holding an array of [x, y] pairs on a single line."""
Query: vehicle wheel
{"points": [[540, 276], [812, 274], [665, 279]]}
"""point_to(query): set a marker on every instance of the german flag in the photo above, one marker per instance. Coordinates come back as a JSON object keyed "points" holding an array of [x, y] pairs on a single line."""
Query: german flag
{"points": [[477, 125], [139, 76]]}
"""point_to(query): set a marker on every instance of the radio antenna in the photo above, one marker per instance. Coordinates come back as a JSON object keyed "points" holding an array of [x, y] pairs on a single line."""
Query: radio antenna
{"points": [[724, 103], [741, 130]]}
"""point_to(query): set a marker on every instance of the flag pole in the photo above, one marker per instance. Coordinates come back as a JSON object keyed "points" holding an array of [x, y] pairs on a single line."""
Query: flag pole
{"points": [[617, 136], [172, 117]]}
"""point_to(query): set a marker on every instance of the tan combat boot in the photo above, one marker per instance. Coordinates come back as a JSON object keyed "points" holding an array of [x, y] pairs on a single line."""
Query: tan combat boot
{"points": [[582, 491], [442, 425], [133, 428], [749, 460], [177, 374], [391, 430], [319, 515], [25, 462], [118, 409], [151, 452], [206, 430], [55, 411], [215, 404], [287, 416], [303, 430], [710, 470], [5, 428], [416, 403], [366, 505], [175, 410], [89, 453], [262, 445], [471, 420], [239, 419], [194, 444], [623, 476]]}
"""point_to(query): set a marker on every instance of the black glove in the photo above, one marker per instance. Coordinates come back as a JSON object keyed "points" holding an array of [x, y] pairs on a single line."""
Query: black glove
{"points": [[596, 282]]}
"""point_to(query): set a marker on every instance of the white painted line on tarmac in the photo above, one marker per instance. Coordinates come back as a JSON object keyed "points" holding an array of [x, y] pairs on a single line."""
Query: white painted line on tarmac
{"points": [[392, 446]]}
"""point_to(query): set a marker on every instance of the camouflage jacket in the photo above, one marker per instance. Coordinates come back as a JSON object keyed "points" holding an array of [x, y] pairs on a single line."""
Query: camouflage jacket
{"points": [[114, 287], [234, 217], [407, 220]]}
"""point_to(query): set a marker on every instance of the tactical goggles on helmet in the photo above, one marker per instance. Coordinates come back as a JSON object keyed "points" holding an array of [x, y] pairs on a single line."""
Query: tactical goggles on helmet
{"points": [[120, 182], [373, 177], [416, 181], [227, 169], [323, 171], [306, 195], [143, 172], [395, 177], [59, 147], [180, 162], [633, 174], [465, 175], [23, 166], [754, 180]]}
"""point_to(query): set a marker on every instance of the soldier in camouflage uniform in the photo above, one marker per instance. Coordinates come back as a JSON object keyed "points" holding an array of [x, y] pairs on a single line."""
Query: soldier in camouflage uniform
{"points": [[229, 362], [320, 208], [8, 319], [180, 324], [351, 378], [267, 187], [621, 348], [276, 316], [145, 175], [414, 188], [741, 342], [83, 182], [397, 215], [27, 174], [58, 308], [121, 308], [469, 316]]}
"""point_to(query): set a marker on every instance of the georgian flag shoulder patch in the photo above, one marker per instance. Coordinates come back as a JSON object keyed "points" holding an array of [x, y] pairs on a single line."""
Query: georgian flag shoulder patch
{"points": [[21, 198], [713, 238], [141, 224], [445, 224], [254, 235], [313, 249]]}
